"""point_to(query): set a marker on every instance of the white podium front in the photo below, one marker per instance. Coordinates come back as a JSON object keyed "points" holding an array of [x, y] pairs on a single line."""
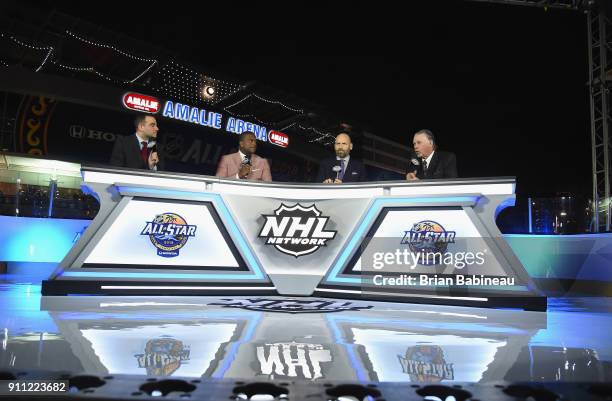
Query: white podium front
{"points": [[430, 241]]}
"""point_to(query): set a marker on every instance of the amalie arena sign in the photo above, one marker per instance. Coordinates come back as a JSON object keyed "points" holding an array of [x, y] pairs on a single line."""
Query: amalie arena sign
{"points": [[197, 116]]}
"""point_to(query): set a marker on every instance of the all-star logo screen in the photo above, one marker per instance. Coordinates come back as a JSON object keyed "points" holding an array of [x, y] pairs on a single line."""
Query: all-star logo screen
{"points": [[428, 237], [296, 229], [168, 232]]}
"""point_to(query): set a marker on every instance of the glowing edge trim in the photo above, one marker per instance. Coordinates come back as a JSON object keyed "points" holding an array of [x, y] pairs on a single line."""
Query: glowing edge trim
{"points": [[401, 295], [163, 287]]}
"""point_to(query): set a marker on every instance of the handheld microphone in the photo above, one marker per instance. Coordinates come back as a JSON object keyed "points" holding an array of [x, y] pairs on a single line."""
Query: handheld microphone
{"points": [[337, 169], [247, 160], [153, 149], [415, 163]]}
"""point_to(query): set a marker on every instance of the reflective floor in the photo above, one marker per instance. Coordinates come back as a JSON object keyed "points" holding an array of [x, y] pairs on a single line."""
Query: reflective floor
{"points": [[305, 338]]}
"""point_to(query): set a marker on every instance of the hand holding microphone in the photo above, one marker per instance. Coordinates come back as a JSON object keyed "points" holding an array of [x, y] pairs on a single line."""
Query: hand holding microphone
{"points": [[337, 180], [411, 175], [245, 167], [153, 157]]}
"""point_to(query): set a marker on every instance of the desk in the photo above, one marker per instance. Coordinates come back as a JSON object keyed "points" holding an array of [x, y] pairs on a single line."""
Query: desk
{"points": [[160, 233]]}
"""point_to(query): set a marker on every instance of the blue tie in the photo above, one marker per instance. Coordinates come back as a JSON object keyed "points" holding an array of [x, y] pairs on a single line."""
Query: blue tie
{"points": [[341, 175]]}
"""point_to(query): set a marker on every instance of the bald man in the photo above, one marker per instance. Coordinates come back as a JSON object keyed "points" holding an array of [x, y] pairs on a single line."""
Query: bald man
{"points": [[343, 167]]}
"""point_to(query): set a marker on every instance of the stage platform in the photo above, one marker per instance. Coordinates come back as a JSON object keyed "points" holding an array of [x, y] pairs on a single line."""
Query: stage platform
{"points": [[309, 341]]}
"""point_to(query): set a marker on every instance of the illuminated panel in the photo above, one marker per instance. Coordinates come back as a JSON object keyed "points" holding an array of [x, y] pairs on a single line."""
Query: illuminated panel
{"points": [[397, 222], [299, 193], [449, 189], [160, 180], [128, 242], [371, 214]]}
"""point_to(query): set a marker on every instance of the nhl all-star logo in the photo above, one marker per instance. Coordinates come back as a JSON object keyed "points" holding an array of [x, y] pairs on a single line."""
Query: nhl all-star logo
{"points": [[296, 230]]}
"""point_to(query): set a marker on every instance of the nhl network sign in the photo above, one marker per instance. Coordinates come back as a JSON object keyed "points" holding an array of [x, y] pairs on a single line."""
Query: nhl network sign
{"points": [[296, 230]]}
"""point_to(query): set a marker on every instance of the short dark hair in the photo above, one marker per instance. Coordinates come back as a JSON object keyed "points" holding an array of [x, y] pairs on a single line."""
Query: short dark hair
{"points": [[244, 134], [140, 119], [430, 136]]}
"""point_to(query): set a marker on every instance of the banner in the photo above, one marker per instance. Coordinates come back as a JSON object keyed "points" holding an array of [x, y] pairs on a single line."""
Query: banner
{"points": [[85, 134]]}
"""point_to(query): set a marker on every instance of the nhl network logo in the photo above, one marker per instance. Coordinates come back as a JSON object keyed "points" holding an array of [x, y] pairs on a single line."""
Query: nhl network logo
{"points": [[296, 230]]}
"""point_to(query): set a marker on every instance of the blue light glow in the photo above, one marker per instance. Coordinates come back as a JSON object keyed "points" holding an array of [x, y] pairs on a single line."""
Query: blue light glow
{"points": [[238, 126], [503, 205], [350, 349], [30, 239], [192, 115], [202, 276], [227, 362]]}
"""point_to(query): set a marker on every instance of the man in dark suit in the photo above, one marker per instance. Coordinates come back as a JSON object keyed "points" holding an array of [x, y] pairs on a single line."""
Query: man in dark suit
{"points": [[429, 161], [343, 167], [138, 150]]}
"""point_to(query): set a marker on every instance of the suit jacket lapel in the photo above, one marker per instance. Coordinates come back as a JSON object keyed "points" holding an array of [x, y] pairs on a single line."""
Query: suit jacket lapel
{"points": [[257, 162], [348, 167], [433, 165], [236, 160], [135, 145]]}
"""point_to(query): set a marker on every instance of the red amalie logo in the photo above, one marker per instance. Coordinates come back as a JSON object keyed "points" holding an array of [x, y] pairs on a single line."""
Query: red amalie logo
{"points": [[278, 138], [136, 101]]}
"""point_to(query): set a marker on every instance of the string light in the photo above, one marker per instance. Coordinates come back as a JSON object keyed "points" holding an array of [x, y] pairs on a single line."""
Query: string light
{"points": [[183, 82], [256, 119], [82, 39], [251, 116], [322, 135], [90, 70], [115, 49], [315, 130], [68, 67], [48, 48], [144, 72], [267, 101], [45, 60], [288, 126]]}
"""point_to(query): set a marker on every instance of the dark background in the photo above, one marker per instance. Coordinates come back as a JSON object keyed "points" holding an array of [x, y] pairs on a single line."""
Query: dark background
{"points": [[502, 86]]}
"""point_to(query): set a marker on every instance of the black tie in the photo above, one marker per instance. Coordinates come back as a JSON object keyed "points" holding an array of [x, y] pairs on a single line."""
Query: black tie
{"points": [[424, 166]]}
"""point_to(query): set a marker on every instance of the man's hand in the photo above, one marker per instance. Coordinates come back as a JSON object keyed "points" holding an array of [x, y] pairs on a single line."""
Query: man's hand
{"points": [[337, 181], [245, 170], [411, 177], [328, 181], [153, 160]]}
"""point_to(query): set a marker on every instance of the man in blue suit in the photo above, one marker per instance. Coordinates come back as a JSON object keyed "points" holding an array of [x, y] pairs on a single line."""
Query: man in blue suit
{"points": [[343, 167]]}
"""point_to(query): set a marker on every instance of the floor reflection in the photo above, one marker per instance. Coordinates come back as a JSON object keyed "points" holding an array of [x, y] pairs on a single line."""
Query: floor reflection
{"points": [[303, 339]]}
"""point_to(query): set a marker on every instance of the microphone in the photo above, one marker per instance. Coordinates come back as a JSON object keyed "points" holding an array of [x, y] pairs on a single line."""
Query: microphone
{"points": [[414, 164], [337, 169], [153, 149], [247, 160]]}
